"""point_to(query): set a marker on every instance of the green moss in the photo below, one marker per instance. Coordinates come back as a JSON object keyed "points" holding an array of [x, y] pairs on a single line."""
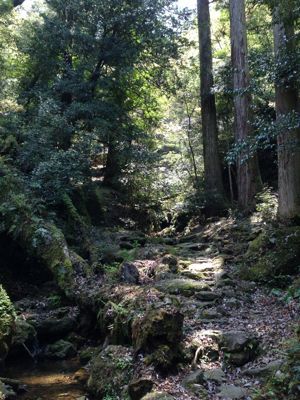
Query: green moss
{"points": [[111, 371], [7, 318], [273, 255], [185, 287]]}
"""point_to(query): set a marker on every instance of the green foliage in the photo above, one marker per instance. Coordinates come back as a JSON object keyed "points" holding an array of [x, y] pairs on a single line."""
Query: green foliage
{"points": [[7, 314], [267, 204]]}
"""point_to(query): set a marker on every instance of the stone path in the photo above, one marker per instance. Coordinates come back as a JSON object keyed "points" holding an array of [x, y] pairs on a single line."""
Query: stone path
{"points": [[233, 329]]}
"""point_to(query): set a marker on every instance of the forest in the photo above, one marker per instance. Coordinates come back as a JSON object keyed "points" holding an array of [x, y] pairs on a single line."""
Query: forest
{"points": [[150, 199]]}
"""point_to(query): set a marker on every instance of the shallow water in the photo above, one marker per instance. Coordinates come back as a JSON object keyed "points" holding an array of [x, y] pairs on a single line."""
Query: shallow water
{"points": [[47, 380]]}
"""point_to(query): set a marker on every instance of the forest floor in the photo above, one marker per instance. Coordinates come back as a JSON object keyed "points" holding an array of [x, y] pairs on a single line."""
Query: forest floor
{"points": [[215, 303]]}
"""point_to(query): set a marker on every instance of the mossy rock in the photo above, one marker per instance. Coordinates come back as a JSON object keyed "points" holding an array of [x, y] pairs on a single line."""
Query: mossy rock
{"points": [[273, 254], [158, 396], [122, 307], [7, 322], [185, 287], [60, 350], [111, 372], [157, 327], [86, 354]]}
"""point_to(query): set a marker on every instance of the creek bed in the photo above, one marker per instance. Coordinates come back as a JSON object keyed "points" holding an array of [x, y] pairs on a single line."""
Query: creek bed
{"points": [[47, 380]]}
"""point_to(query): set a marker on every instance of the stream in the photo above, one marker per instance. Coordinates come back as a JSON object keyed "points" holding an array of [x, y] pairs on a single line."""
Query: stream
{"points": [[47, 380]]}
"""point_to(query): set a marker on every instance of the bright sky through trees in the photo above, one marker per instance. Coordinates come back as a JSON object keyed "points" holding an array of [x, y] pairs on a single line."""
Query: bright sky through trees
{"points": [[187, 3], [181, 3]]}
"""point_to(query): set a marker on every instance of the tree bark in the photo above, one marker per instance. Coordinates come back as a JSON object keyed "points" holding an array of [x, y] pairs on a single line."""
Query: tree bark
{"points": [[287, 102], [212, 165], [248, 177]]}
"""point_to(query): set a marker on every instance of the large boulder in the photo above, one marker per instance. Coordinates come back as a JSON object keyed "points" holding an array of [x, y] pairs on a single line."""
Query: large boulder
{"points": [[24, 334], [231, 392], [238, 347], [155, 328], [158, 334], [111, 372], [140, 387], [54, 324], [129, 273], [7, 321]]}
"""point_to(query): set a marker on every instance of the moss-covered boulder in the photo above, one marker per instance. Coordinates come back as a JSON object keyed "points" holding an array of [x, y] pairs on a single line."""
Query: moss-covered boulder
{"points": [[158, 334], [273, 254], [157, 327], [158, 396], [140, 387], [60, 350], [120, 307], [24, 333], [7, 321], [185, 287], [54, 324], [111, 372]]}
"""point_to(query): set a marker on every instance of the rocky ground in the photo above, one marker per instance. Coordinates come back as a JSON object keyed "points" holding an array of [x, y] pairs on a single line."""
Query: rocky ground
{"points": [[177, 323]]}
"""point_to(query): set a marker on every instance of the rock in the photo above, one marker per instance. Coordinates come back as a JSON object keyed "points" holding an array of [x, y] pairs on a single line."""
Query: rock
{"points": [[215, 374], [24, 334], [185, 287], [158, 396], [129, 273], [86, 354], [199, 391], [60, 350], [7, 318], [238, 347], [192, 378], [265, 371], [232, 303], [171, 261], [231, 392], [164, 358], [211, 313], [81, 376], [155, 328], [158, 334], [207, 296], [111, 372], [274, 253], [140, 387], [54, 324]]}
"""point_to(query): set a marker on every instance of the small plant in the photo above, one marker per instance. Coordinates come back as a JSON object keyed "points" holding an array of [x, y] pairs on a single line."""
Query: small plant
{"points": [[54, 300], [112, 271]]}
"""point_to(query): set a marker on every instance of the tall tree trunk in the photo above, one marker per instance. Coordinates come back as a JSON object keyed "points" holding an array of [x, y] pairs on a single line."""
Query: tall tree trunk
{"points": [[212, 165], [248, 177], [287, 101]]}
